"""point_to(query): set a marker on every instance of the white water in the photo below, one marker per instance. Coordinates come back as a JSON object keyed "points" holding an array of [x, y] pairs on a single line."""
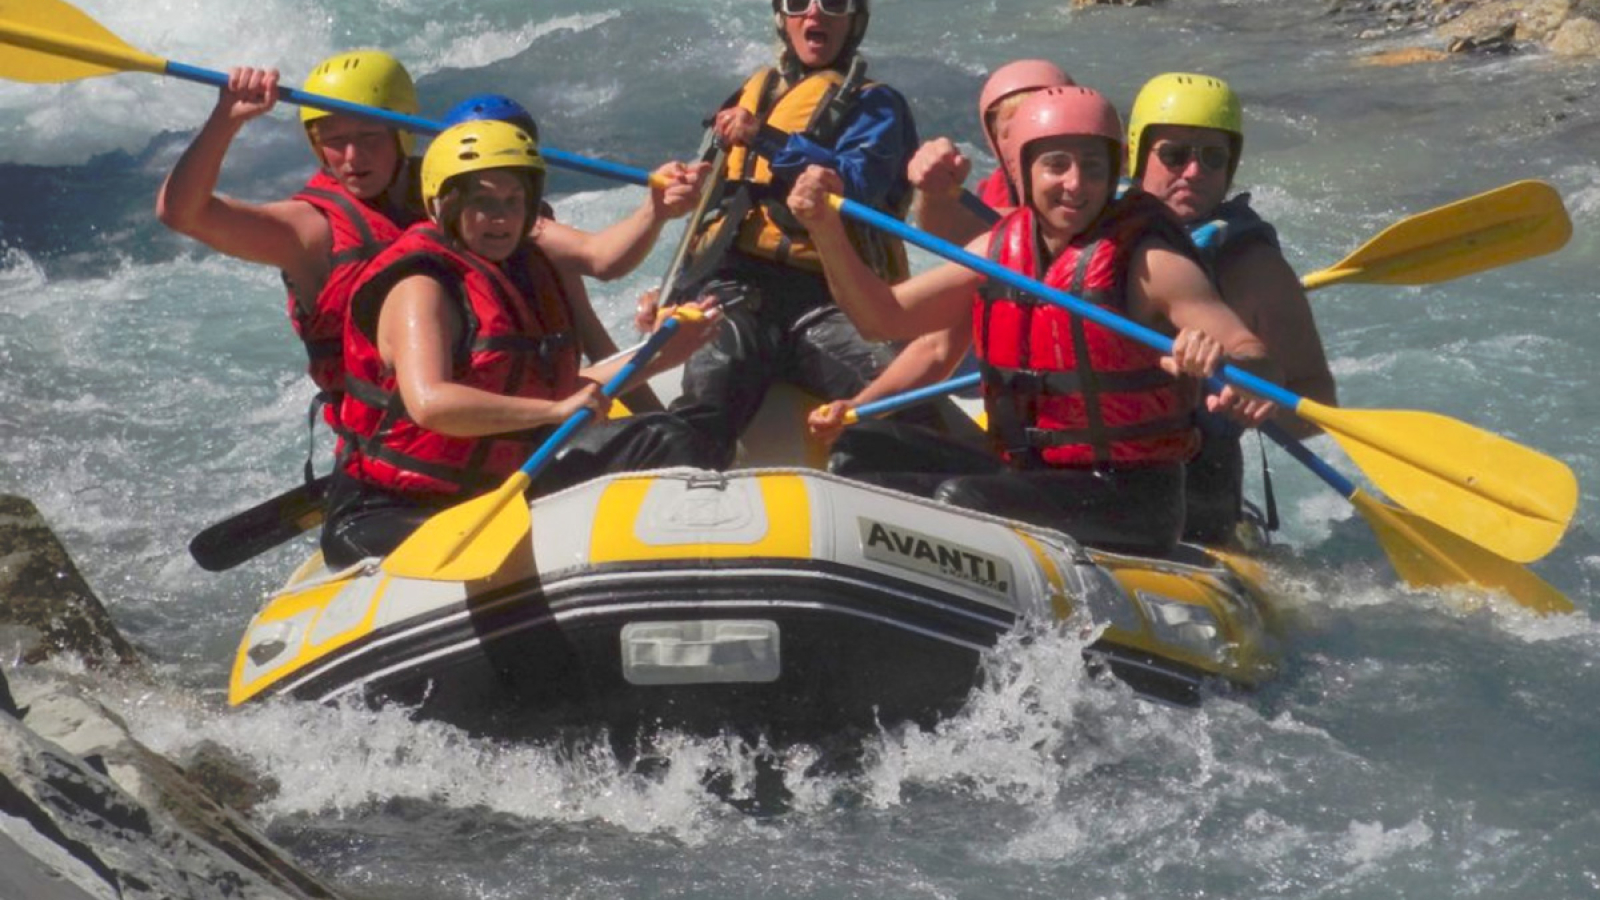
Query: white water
{"points": [[1418, 744]]}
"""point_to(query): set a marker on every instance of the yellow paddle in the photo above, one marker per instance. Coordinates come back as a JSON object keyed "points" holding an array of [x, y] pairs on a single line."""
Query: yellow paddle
{"points": [[470, 541], [51, 41], [1519, 221], [1491, 491], [54, 42], [1424, 554]]}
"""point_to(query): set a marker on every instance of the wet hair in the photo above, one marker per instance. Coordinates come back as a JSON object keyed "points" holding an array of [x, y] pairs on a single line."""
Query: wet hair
{"points": [[1008, 103]]}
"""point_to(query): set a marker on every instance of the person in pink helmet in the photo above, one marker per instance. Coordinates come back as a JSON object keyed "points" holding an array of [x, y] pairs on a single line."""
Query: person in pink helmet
{"points": [[1090, 430], [939, 170]]}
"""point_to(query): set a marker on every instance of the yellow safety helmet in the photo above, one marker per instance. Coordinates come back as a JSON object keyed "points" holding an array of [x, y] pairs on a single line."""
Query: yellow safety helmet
{"points": [[368, 77], [475, 147], [1179, 98]]}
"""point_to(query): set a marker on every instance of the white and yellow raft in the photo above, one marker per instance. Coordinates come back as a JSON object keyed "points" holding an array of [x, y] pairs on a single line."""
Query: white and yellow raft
{"points": [[787, 602]]}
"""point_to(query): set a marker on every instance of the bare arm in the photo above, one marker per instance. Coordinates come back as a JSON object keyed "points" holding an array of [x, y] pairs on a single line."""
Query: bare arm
{"points": [[596, 342], [619, 248], [926, 360], [593, 338], [933, 301], [1167, 287], [416, 329], [1259, 284], [288, 235]]}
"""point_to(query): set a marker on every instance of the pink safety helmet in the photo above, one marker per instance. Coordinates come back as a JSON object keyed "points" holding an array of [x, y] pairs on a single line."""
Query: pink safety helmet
{"points": [[1014, 78], [1058, 112]]}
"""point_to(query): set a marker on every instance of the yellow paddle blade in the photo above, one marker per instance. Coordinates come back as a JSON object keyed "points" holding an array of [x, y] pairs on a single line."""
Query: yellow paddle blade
{"points": [[1426, 555], [1516, 222], [48, 41], [467, 542], [1496, 493]]}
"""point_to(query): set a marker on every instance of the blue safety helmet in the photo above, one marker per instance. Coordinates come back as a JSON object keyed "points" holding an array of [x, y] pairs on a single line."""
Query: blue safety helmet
{"points": [[497, 107]]}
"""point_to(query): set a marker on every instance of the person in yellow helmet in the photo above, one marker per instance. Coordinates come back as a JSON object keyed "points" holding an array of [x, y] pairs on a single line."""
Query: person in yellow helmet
{"points": [[360, 199], [607, 254], [1185, 137], [461, 356]]}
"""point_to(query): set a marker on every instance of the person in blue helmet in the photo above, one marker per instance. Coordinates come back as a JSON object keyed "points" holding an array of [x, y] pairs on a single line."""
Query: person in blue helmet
{"points": [[605, 255]]}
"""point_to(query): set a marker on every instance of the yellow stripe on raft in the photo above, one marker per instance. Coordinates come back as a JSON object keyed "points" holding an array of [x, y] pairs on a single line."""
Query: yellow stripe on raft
{"points": [[788, 534], [323, 598]]}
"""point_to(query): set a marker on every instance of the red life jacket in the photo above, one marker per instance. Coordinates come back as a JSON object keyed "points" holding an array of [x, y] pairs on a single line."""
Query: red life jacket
{"points": [[517, 340], [1063, 391], [360, 232], [996, 191]]}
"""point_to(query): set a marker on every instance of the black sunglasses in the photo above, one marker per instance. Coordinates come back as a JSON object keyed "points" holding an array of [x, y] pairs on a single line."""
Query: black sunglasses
{"points": [[829, 7], [1177, 156]]}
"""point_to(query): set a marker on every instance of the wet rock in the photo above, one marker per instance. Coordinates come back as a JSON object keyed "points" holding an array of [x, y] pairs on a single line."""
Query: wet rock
{"points": [[226, 778], [1539, 20], [1532, 20], [1496, 41], [1579, 36], [1448, 12], [1475, 26], [86, 811], [46, 608], [8, 703], [133, 826]]}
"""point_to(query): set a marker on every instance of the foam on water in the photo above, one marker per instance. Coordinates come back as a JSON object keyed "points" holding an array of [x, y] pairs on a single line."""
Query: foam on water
{"points": [[1425, 743]]}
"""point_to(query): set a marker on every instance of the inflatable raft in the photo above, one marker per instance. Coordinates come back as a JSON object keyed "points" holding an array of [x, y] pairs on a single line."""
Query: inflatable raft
{"points": [[782, 602]]}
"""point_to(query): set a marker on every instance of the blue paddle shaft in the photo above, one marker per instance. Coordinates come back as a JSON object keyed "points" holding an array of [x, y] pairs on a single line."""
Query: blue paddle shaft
{"points": [[1103, 317], [577, 420], [1329, 475], [1202, 236], [414, 124], [917, 395]]}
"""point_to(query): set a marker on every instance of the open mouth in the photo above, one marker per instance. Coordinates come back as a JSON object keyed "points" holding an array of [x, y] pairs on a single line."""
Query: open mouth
{"points": [[816, 37]]}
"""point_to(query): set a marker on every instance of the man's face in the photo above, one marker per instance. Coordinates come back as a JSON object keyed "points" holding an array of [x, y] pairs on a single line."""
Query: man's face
{"points": [[363, 156], [1187, 169]]}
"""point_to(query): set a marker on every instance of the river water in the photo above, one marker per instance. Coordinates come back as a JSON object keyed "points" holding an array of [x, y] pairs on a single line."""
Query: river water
{"points": [[1418, 744]]}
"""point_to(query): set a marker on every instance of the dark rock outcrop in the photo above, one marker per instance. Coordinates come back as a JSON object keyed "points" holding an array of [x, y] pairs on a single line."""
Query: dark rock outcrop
{"points": [[46, 608], [86, 811], [1444, 27]]}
